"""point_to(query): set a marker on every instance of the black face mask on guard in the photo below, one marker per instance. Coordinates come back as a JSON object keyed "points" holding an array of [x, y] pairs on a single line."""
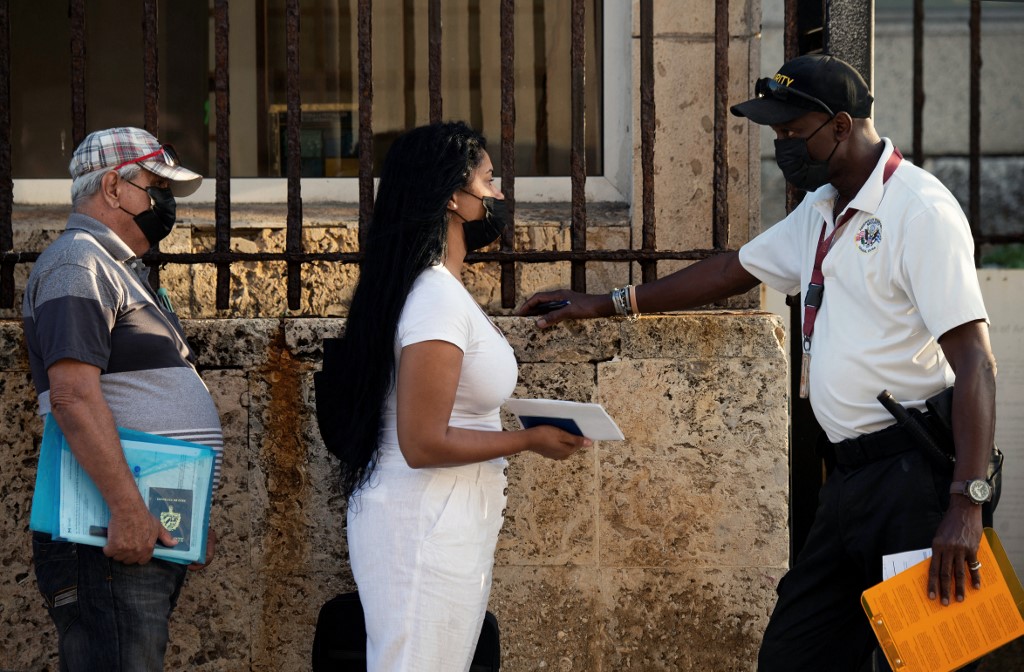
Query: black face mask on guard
{"points": [[482, 232], [796, 163], [156, 222]]}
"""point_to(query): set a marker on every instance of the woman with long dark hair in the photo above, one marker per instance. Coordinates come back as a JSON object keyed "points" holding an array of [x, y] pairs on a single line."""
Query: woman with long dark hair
{"points": [[420, 376]]}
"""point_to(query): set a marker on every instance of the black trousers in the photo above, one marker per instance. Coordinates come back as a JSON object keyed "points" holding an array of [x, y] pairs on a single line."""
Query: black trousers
{"points": [[886, 505]]}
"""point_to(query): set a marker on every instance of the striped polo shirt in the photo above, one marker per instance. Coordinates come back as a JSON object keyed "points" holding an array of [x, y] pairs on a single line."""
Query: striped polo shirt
{"points": [[88, 298]]}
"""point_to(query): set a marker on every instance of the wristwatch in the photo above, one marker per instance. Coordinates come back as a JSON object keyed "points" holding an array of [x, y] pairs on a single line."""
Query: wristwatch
{"points": [[978, 491]]}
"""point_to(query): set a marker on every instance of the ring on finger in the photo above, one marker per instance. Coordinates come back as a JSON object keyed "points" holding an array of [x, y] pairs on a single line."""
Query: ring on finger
{"points": [[974, 566]]}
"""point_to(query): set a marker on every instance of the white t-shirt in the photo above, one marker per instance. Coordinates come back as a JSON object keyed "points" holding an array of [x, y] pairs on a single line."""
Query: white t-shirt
{"points": [[439, 308], [899, 275]]}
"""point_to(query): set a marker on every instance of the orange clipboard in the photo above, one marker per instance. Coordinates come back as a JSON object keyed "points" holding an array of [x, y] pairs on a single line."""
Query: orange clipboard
{"points": [[921, 635]]}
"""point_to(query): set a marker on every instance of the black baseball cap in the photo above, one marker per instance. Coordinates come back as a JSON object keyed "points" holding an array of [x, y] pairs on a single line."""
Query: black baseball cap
{"points": [[810, 83]]}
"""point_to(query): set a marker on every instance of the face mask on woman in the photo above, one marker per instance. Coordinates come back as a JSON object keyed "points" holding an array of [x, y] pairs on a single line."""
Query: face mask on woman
{"points": [[482, 232]]}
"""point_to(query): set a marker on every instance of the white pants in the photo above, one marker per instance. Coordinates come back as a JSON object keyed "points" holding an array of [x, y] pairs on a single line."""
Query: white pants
{"points": [[421, 545]]}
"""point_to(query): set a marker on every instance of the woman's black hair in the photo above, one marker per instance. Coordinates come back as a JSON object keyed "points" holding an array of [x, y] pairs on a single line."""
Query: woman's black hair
{"points": [[408, 233]]}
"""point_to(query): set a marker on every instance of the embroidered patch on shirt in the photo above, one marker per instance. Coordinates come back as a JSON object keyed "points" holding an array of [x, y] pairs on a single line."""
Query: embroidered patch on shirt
{"points": [[869, 235]]}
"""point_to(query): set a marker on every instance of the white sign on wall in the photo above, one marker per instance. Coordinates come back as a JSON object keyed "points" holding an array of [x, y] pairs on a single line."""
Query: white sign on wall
{"points": [[1003, 291]]}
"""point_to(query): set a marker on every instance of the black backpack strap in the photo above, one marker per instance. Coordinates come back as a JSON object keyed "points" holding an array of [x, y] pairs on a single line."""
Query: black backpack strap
{"points": [[326, 383]]}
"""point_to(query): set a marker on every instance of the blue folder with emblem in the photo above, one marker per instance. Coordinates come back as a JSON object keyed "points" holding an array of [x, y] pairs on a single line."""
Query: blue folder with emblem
{"points": [[174, 477]]}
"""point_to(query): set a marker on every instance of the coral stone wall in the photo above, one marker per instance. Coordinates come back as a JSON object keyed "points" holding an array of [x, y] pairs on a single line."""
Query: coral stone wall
{"points": [[661, 552]]}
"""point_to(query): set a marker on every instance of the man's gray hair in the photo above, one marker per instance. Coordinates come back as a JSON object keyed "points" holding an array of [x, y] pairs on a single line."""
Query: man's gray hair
{"points": [[84, 186]]}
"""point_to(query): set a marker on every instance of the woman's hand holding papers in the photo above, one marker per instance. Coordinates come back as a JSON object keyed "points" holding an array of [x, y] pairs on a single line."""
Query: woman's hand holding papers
{"points": [[554, 443]]}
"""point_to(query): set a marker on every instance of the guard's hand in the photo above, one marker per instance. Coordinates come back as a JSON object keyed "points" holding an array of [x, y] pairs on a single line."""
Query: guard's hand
{"points": [[955, 551], [579, 306], [554, 443], [211, 548], [132, 535]]}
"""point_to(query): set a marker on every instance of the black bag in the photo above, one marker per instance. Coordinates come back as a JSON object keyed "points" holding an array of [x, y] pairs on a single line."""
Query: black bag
{"points": [[339, 644]]}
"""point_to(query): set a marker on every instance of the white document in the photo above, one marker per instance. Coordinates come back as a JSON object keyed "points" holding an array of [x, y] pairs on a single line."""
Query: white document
{"points": [[894, 563], [589, 420]]}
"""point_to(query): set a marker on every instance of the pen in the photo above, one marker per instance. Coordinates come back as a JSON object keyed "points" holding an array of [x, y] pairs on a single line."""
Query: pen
{"points": [[548, 306]]}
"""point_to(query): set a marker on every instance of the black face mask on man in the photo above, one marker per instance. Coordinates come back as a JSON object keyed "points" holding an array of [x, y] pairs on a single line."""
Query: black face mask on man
{"points": [[796, 163], [156, 222], [482, 232]]}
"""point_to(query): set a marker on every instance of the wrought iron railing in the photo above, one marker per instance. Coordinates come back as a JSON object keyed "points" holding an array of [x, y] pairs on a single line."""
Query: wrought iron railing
{"points": [[295, 257]]}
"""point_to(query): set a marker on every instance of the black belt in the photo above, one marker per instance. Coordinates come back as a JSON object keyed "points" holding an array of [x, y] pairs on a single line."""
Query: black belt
{"points": [[867, 448]]}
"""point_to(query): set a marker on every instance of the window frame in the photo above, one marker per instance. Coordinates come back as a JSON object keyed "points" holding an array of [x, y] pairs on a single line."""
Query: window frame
{"points": [[615, 185]]}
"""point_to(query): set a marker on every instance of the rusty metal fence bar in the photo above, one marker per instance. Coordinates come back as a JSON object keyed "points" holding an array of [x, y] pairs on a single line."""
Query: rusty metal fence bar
{"points": [[222, 185], [918, 118], [577, 154], [974, 188], [293, 237], [364, 20], [791, 47], [434, 58], [76, 13], [150, 66], [720, 205], [805, 468], [6, 163], [508, 140], [294, 255], [151, 88], [649, 242]]}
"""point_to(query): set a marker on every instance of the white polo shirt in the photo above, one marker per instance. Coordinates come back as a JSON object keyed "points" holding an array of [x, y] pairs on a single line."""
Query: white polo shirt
{"points": [[899, 275]]}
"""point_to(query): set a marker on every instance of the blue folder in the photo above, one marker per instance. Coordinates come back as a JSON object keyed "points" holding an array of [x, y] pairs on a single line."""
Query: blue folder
{"points": [[147, 454]]}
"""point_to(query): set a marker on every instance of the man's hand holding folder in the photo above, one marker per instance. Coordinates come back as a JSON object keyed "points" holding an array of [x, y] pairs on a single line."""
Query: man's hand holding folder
{"points": [[133, 533]]}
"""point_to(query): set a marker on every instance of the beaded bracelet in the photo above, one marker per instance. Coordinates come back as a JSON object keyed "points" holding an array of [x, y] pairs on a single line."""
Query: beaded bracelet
{"points": [[619, 295], [624, 302], [634, 309]]}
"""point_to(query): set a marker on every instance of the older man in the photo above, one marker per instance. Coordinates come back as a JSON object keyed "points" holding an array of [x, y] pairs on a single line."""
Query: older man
{"points": [[107, 351]]}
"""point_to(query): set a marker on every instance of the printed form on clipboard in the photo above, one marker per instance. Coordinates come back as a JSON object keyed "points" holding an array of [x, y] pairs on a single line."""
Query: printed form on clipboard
{"points": [[581, 419]]}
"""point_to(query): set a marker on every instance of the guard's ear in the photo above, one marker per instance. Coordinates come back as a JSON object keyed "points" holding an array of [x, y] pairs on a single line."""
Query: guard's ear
{"points": [[842, 126], [452, 203]]}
